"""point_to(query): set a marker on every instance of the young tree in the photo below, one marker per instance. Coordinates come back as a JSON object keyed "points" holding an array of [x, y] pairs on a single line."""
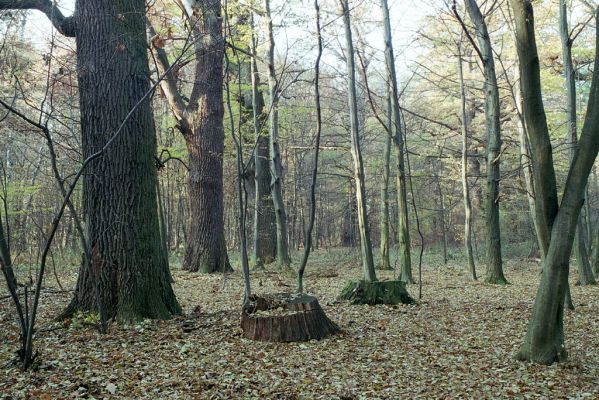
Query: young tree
{"points": [[384, 218], [465, 184], [484, 50], [265, 232], [544, 340], [403, 229], [585, 272], [312, 217], [356, 151], [200, 121], [276, 164]]}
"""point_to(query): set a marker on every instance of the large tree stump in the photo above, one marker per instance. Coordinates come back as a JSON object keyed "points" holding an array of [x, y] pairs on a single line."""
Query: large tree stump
{"points": [[284, 317], [378, 292]]}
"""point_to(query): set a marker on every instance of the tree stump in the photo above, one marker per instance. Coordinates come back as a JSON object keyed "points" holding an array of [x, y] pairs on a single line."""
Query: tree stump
{"points": [[378, 292], [284, 317]]}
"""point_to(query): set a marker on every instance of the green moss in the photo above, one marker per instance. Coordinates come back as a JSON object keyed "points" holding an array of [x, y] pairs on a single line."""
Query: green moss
{"points": [[379, 292]]}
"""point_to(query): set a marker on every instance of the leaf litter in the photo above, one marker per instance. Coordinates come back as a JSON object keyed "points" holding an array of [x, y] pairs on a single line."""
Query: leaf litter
{"points": [[459, 341]]}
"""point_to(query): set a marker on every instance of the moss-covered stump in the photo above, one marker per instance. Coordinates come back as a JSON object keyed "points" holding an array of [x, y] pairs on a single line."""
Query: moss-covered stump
{"points": [[378, 292], [284, 317]]}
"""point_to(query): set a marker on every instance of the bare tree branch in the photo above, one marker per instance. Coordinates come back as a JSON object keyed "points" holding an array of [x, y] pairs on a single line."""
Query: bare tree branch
{"points": [[65, 25]]}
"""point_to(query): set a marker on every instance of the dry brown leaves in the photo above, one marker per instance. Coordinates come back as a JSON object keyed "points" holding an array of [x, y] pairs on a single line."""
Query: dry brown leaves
{"points": [[458, 342]]}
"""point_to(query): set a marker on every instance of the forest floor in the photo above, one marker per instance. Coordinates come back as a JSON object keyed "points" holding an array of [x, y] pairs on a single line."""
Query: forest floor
{"points": [[457, 342]]}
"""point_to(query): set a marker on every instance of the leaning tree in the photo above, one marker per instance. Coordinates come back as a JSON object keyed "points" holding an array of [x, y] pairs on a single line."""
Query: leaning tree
{"points": [[544, 340], [126, 278]]}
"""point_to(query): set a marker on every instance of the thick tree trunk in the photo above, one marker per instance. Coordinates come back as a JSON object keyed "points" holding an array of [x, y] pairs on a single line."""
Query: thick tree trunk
{"points": [[276, 164], [206, 250], [127, 274], [585, 273], [465, 185], [494, 272], [201, 123], [366, 246]]}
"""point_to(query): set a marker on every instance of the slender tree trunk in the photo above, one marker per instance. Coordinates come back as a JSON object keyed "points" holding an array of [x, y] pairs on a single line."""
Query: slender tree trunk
{"points": [[465, 185], [405, 259], [441, 211], [366, 246], [310, 227], [265, 234], [494, 272], [385, 242], [276, 164], [585, 273], [526, 164]]}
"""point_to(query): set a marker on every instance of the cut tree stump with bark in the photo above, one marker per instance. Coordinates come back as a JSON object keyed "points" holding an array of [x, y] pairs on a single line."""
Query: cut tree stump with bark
{"points": [[377, 292], [284, 317]]}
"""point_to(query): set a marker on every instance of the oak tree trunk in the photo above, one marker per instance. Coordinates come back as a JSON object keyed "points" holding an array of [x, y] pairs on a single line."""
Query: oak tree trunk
{"points": [[126, 277]]}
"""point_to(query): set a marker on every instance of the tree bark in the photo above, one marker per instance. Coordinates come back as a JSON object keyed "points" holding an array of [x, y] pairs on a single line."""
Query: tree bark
{"points": [[201, 123], [365, 243], [119, 190], [585, 273], [276, 164], [405, 259], [385, 241], [265, 234], [465, 185], [494, 273]]}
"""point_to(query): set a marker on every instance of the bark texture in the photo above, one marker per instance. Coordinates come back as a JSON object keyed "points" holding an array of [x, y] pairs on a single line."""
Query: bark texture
{"points": [[494, 273], [384, 218], [285, 318], [201, 123], [265, 234], [126, 279], [465, 184]]}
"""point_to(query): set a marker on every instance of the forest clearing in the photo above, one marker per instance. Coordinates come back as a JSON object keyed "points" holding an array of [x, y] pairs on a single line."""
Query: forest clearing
{"points": [[459, 341], [299, 199]]}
